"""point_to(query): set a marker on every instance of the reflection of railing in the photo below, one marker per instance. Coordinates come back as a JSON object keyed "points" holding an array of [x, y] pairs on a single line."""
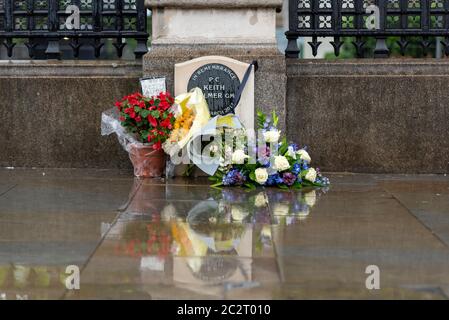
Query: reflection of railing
{"points": [[367, 18], [44, 22]]}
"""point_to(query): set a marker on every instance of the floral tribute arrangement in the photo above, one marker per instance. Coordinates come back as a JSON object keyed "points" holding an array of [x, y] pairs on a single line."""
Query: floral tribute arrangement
{"points": [[150, 128], [278, 163], [151, 120], [142, 125]]}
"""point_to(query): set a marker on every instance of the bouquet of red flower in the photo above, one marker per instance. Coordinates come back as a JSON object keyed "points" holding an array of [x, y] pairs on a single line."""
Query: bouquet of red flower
{"points": [[149, 119], [142, 125]]}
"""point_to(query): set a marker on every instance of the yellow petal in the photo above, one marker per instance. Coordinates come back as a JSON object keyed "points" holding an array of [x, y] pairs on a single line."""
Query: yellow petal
{"points": [[226, 121], [194, 100]]}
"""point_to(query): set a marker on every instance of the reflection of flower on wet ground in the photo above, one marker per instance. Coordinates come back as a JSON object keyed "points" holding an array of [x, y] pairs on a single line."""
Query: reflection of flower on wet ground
{"points": [[289, 208], [146, 238], [213, 230], [242, 206], [20, 276]]}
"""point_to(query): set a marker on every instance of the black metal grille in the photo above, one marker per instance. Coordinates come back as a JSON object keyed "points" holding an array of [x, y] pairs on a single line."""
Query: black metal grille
{"points": [[347, 18], [43, 21]]}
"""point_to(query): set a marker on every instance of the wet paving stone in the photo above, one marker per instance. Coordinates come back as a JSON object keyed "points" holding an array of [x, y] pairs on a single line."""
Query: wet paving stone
{"points": [[426, 199], [5, 188], [48, 223], [181, 239]]}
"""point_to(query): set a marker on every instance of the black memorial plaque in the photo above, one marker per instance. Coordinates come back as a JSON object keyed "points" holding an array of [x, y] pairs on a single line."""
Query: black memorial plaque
{"points": [[219, 84]]}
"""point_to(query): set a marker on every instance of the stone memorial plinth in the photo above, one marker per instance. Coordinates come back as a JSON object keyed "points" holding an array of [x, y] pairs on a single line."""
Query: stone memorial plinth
{"points": [[244, 30]]}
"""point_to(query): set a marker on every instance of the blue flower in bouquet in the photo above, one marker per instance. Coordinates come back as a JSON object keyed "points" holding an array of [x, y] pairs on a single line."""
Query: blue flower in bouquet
{"points": [[274, 179], [234, 178], [267, 122], [294, 146], [322, 180], [296, 169], [289, 178], [265, 162], [305, 165]]}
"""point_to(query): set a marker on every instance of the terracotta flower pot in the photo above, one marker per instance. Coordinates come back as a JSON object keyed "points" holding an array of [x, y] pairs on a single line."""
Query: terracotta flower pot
{"points": [[147, 162]]}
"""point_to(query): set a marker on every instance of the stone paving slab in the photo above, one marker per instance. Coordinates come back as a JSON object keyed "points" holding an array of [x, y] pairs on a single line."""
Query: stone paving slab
{"points": [[427, 199], [6, 187], [229, 244], [50, 221], [64, 196]]}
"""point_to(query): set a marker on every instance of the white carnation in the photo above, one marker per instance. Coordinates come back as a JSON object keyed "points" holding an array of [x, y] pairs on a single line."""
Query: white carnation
{"points": [[239, 156], [224, 163], [291, 152], [272, 136], [261, 175], [311, 175], [281, 163], [304, 155]]}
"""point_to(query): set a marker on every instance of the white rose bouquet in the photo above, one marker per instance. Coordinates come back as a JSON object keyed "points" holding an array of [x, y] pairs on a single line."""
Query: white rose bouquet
{"points": [[277, 163]]}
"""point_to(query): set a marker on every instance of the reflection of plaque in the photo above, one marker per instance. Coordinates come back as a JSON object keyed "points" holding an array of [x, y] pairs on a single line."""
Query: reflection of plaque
{"points": [[152, 86], [219, 84]]}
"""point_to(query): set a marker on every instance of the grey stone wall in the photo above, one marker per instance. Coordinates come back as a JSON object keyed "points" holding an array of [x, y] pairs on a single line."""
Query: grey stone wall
{"points": [[50, 112], [359, 116], [380, 116]]}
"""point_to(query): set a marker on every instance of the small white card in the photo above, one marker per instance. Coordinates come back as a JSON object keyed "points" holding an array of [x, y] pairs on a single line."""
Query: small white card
{"points": [[152, 86]]}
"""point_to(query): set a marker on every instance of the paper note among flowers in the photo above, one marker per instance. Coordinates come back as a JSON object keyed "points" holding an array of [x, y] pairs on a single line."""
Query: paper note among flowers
{"points": [[152, 86]]}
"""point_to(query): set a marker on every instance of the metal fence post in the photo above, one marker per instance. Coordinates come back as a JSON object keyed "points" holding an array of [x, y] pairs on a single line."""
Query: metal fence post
{"points": [[141, 47], [53, 51], [381, 50], [292, 50]]}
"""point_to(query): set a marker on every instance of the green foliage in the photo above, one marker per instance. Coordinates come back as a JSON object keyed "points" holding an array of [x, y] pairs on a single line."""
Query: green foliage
{"points": [[275, 118], [261, 119], [250, 185], [252, 176], [283, 146]]}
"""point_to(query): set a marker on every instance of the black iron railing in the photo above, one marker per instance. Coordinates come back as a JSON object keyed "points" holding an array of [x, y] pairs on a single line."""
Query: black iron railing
{"points": [[362, 19], [45, 22]]}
